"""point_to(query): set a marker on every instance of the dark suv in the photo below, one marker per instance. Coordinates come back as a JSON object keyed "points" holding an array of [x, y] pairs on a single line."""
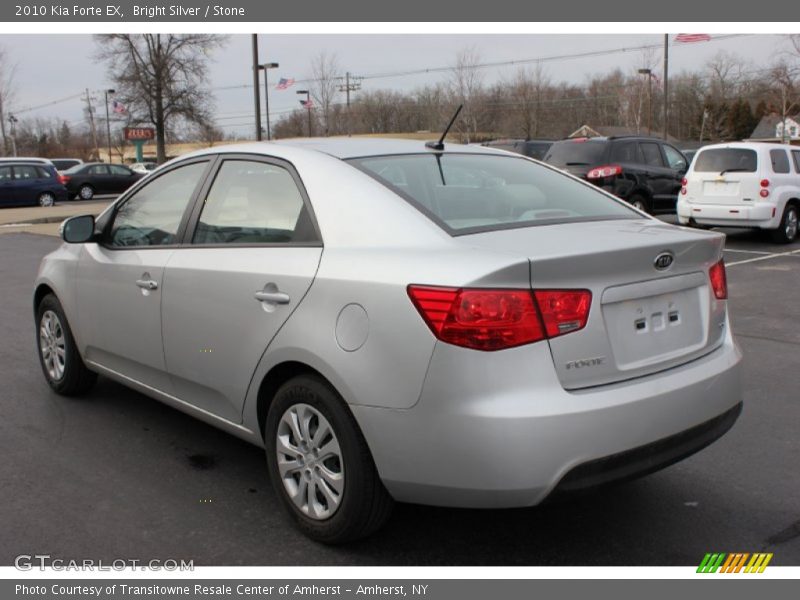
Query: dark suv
{"points": [[530, 148], [644, 171]]}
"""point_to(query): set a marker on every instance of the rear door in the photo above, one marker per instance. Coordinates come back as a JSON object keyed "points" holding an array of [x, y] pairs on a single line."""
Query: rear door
{"points": [[725, 175], [660, 178], [250, 256], [99, 178], [27, 183], [8, 196], [121, 178]]}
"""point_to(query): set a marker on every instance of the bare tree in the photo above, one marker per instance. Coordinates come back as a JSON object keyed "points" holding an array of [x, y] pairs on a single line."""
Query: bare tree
{"points": [[325, 72], [162, 78], [7, 69], [466, 86]]}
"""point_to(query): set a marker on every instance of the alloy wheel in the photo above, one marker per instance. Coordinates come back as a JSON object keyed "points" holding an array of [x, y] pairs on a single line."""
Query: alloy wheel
{"points": [[791, 224], [52, 345], [47, 200]]}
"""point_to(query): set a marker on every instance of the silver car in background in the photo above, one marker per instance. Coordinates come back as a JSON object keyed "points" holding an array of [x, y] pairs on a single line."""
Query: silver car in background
{"points": [[454, 326]]}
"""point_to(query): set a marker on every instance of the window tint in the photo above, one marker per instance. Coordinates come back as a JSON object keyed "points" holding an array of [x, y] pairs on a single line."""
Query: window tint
{"points": [[98, 170], [625, 152], [26, 172], [675, 159], [152, 215], [118, 170], [465, 193], [651, 153], [43, 173], [796, 157], [253, 202], [577, 152], [717, 160], [5, 173], [780, 162]]}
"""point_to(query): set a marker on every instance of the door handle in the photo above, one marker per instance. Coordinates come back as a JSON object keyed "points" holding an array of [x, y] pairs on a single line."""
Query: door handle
{"points": [[273, 297], [147, 284]]}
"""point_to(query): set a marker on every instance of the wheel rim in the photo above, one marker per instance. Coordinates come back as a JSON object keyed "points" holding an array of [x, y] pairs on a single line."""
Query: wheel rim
{"points": [[52, 345], [46, 200], [638, 204], [791, 224], [86, 192], [310, 461]]}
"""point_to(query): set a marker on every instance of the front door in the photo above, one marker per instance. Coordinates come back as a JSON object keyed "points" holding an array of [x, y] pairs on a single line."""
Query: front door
{"points": [[7, 194], [253, 254], [120, 281]]}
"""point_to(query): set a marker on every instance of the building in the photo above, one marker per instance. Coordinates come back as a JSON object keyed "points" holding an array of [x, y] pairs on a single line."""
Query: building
{"points": [[771, 129]]}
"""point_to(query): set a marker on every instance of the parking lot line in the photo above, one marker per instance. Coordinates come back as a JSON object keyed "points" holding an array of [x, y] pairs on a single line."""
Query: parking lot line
{"points": [[758, 258], [747, 251]]}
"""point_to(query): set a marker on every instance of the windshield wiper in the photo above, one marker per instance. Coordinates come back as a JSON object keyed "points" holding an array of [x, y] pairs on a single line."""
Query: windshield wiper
{"points": [[721, 173]]}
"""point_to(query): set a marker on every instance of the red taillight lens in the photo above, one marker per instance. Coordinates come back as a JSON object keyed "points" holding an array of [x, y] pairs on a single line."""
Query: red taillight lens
{"points": [[719, 281], [683, 191], [481, 319], [492, 319], [606, 171], [684, 181], [563, 311], [765, 183], [63, 179], [763, 193]]}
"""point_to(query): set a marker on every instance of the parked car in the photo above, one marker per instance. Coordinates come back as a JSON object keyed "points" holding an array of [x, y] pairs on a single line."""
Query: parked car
{"points": [[62, 164], [486, 343], [530, 148], [86, 180], [27, 159], [744, 184], [689, 154], [144, 167], [23, 182], [646, 172]]}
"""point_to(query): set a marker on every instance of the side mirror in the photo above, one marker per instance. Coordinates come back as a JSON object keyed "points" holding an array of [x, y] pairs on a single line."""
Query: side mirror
{"points": [[77, 230]]}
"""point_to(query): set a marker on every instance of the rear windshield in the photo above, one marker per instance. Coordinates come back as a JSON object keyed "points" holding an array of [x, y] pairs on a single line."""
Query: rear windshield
{"points": [[718, 160], [576, 153], [468, 193]]}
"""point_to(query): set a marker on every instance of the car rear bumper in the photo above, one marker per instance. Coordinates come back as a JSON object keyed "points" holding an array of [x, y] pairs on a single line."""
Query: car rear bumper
{"points": [[763, 215], [496, 430]]}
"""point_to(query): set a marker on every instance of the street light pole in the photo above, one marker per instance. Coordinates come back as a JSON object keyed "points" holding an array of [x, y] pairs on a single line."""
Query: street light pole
{"points": [[256, 99], [266, 67], [649, 75], [13, 121], [308, 107], [108, 124]]}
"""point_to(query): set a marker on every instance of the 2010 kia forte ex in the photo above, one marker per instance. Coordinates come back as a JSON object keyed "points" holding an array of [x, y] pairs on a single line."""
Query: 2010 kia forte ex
{"points": [[392, 320]]}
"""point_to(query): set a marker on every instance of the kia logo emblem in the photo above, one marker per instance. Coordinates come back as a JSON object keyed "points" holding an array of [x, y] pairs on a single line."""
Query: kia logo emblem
{"points": [[663, 261]]}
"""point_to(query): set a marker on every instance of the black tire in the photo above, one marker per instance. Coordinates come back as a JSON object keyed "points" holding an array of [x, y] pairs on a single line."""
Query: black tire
{"points": [[85, 192], [641, 202], [46, 199], [785, 233], [364, 505], [76, 378]]}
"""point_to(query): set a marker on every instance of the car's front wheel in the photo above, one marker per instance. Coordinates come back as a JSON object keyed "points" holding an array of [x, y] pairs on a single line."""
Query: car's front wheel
{"points": [[320, 465], [639, 202], [61, 362], [786, 232], [86, 192], [47, 199]]}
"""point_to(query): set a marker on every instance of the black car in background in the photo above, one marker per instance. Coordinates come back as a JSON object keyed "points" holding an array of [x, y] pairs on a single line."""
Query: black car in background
{"points": [[530, 148], [62, 164], [644, 171], [29, 183], [86, 180]]}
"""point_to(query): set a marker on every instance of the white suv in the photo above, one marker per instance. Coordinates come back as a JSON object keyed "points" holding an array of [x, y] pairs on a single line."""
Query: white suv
{"points": [[744, 184]]}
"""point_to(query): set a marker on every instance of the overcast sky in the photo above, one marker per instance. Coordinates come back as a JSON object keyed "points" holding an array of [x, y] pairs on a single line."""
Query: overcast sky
{"points": [[52, 67]]}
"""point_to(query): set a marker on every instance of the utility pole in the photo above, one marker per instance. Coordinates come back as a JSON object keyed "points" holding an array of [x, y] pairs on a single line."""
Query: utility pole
{"points": [[91, 123], [256, 88], [351, 84], [666, 84], [108, 124]]}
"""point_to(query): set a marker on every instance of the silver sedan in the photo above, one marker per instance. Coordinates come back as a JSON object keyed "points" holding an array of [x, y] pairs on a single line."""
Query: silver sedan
{"points": [[455, 326]]}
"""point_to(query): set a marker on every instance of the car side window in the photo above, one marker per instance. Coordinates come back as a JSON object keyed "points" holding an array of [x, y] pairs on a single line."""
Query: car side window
{"points": [[5, 174], [98, 170], [675, 159], [796, 157], [152, 215], [253, 202], [25, 172], [652, 154], [625, 152], [43, 173], [118, 170], [780, 162]]}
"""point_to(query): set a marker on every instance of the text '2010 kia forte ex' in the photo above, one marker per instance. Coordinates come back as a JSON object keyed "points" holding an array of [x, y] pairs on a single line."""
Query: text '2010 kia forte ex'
{"points": [[449, 325]]}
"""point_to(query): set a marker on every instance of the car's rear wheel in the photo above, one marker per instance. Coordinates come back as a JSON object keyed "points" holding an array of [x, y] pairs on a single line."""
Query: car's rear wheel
{"points": [[61, 362], [786, 232], [47, 199], [640, 202], [86, 192], [320, 465]]}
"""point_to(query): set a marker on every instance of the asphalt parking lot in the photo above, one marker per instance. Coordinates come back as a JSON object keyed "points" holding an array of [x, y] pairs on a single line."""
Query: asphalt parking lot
{"points": [[117, 475]]}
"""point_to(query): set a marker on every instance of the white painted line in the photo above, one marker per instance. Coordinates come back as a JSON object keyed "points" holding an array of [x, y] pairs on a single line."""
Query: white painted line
{"points": [[747, 251], [749, 260]]}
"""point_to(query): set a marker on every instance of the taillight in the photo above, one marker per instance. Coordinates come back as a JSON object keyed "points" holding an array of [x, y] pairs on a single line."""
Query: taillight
{"points": [[684, 181], [63, 179], [765, 183], [495, 319], [719, 281], [763, 193], [605, 171], [683, 191]]}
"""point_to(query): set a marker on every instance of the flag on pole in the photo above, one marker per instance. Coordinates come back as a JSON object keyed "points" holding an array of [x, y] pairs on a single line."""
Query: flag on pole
{"points": [[307, 104], [118, 107], [284, 83], [687, 38]]}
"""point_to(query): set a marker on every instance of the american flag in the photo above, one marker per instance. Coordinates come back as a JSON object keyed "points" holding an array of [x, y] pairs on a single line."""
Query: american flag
{"points": [[692, 37], [284, 83], [118, 107], [307, 104]]}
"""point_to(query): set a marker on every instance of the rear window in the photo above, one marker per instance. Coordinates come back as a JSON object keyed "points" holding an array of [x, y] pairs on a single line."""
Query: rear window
{"points": [[780, 162], [718, 160], [576, 153], [466, 193]]}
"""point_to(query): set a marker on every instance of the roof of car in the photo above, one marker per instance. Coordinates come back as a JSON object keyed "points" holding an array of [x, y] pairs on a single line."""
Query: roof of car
{"points": [[752, 145], [344, 147]]}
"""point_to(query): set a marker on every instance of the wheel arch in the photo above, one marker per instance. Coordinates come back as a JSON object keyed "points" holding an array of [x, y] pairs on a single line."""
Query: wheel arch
{"points": [[40, 292]]}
